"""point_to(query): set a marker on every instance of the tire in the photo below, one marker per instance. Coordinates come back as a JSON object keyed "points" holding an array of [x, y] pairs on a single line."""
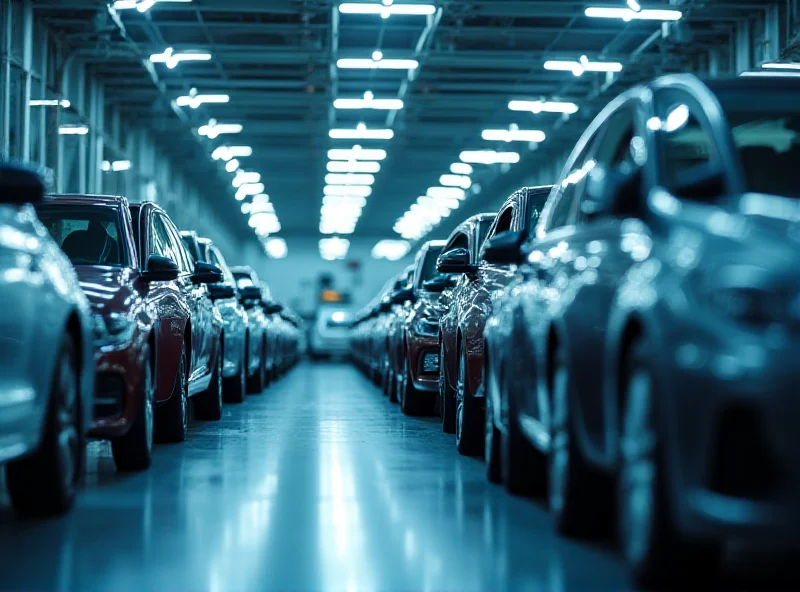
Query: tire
{"points": [[255, 383], [524, 468], [447, 396], [573, 491], [492, 436], [386, 376], [469, 422], [234, 389], [270, 375], [392, 387], [172, 418], [656, 555], [412, 402], [45, 482], [134, 450], [208, 404]]}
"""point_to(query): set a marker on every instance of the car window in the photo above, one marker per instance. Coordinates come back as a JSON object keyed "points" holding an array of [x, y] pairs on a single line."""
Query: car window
{"points": [[161, 243], [192, 246], [428, 265], [504, 220], [459, 241], [216, 258], [185, 260], [87, 235], [482, 231]]}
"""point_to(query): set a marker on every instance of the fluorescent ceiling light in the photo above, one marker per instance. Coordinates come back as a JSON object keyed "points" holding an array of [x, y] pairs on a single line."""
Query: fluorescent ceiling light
{"points": [[456, 181], [376, 64], [634, 5], [73, 130], [582, 65], [141, 5], [544, 106], [460, 168], [49, 103], [116, 166], [244, 177], [232, 165], [356, 153], [264, 223], [361, 133], [392, 250], [353, 166], [348, 190], [629, 14], [333, 248], [257, 208], [489, 157], [368, 102], [214, 129], [194, 100], [228, 152], [349, 179], [276, 248], [344, 200], [172, 59], [451, 192], [249, 189], [385, 10], [513, 135], [781, 66]]}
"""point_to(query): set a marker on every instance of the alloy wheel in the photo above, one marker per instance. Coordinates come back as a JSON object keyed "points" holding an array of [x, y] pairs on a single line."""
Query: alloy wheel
{"points": [[460, 393], [67, 417], [559, 445], [149, 419], [184, 393]]}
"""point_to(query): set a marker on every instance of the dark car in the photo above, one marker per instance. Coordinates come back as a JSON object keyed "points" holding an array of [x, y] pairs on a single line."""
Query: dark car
{"points": [[188, 328], [392, 327], [252, 297], [416, 359], [656, 340], [225, 297], [472, 302]]}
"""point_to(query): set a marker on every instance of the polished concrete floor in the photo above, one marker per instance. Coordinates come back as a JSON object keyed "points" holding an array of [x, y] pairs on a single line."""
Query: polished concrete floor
{"points": [[317, 484]]}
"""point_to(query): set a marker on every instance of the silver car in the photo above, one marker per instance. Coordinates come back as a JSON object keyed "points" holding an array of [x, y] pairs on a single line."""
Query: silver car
{"points": [[330, 335], [46, 356]]}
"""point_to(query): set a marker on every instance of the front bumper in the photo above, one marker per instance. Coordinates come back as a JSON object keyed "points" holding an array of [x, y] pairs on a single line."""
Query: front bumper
{"points": [[423, 361], [117, 389]]}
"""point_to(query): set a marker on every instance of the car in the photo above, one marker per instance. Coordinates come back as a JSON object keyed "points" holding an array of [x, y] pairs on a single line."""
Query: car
{"points": [[648, 371], [392, 326], [188, 329], [329, 334], [225, 297], [46, 356], [466, 241], [252, 298], [416, 359]]}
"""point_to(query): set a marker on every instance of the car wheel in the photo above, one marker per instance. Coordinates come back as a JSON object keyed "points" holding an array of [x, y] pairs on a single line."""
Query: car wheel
{"points": [[208, 405], [491, 447], [654, 552], [410, 399], [255, 382], [172, 418], [45, 482], [469, 441], [447, 397], [392, 387], [134, 450], [234, 389], [572, 491]]}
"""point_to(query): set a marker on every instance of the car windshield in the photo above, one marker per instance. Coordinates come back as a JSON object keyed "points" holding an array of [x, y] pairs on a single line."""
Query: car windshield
{"points": [[428, 269], [88, 235]]}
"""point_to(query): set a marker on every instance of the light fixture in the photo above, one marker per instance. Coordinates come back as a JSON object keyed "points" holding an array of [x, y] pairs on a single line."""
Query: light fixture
{"points": [[781, 66], [361, 133], [349, 179], [456, 181], [333, 248], [228, 152], [258, 208], [582, 65], [447, 192], [264, 223], [348, 190], [49, 103], [344, 201], [631, 14], [356, 153], [512, 135], [213, 129], [276, 248], [172, 59], [489, 157], [232, 165], [388, 10], [353, 166], [116, 166], [376, 64], [141, 5], [73, 130], [544, 106], [243, 177], [392, 250], [460, 168], [194, 100], [368, 102], [249, 189]]}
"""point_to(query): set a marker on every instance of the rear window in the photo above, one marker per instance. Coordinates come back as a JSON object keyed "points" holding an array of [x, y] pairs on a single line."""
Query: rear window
{"points": [[88, 235]]}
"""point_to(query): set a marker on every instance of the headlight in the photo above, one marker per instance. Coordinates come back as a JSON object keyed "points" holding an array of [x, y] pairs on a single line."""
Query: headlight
{"points": [[426, 326], [112, 329]]}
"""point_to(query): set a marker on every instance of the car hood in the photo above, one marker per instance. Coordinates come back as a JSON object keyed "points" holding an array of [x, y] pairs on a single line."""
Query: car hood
{"points": [[108, 288]]}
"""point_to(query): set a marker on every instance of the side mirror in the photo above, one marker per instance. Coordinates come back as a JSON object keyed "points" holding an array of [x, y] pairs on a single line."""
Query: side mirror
{"points": [[160, 269], [19, 185], [272, 307], [221, 291], [504, 248], [206, 273], [385, 306], [403, 295], [455, 261], [606, 188], [250, 294]]}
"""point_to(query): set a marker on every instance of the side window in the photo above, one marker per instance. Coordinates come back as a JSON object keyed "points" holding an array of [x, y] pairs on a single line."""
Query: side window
{"points": [[184, 259], [458, 241], [686, 146], [215, 258], [160, 241], [504, 220]]}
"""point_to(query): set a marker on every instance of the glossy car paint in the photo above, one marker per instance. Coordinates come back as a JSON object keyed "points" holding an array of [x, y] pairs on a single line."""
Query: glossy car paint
{"points": [[257, 322], [647, 272], [183, 313], [42, 301]]}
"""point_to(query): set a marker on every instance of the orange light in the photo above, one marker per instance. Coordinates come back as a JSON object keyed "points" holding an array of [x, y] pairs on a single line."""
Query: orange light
{"points": [[331, 296]]}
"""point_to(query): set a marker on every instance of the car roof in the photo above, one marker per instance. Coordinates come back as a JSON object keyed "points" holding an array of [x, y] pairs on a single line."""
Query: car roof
{"points": [[87, 199]]}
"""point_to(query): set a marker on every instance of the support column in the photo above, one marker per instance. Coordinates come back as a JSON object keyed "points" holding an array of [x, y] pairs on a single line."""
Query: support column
{"points": [[27, 66], [5, 76]]}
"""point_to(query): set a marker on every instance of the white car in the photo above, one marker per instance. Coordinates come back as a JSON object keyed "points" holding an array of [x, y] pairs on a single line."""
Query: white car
{"points": [[46, 356], [330, 335]]}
